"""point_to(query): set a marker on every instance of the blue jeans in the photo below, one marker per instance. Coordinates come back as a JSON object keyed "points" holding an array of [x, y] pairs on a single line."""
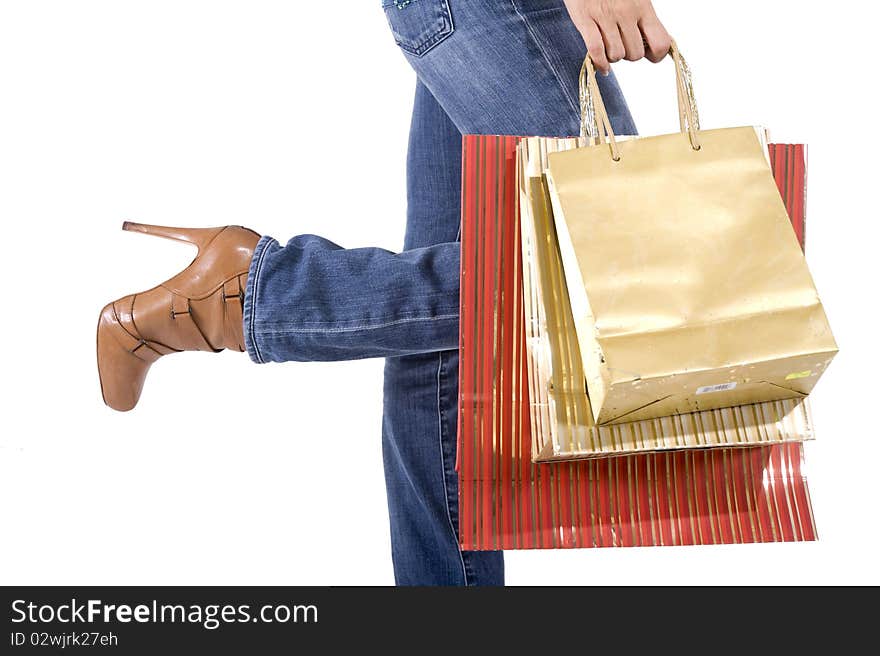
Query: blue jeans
{"points": [[501, 67]]}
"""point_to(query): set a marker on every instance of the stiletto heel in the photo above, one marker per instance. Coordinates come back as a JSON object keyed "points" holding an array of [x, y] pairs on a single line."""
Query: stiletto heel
{"points": [[199, 237], [199, 309]]}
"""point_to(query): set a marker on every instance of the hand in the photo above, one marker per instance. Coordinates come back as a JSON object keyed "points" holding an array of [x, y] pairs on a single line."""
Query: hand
{"points": [[619, 29]]}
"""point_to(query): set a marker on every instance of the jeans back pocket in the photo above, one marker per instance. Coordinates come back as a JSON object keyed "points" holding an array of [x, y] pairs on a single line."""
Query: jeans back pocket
{"points": [[418, 25]]}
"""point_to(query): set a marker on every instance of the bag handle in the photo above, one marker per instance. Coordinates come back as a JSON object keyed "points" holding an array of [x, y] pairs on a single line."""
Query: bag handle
{"points": [[595, 123]]}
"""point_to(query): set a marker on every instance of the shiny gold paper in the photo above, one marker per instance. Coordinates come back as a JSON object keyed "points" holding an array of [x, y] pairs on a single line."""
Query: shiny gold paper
{"points": [[687, 284], [563, 426]]}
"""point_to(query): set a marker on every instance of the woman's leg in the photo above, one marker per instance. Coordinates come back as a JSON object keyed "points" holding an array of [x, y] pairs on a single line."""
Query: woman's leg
{"points": [[483, 67], [421, 391], [312, 300]]}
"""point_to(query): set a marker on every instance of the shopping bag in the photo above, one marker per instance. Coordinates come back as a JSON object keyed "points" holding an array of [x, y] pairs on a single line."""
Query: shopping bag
{"points": [[688, 288], [697, 496], [563, 424]]}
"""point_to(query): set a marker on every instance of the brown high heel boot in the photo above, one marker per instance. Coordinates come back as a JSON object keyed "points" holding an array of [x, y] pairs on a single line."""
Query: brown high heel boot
{"points": [[199, 309]]}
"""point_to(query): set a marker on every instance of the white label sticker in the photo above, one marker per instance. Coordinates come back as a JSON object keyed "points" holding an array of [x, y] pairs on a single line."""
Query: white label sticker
{"points": [[716, 388]]}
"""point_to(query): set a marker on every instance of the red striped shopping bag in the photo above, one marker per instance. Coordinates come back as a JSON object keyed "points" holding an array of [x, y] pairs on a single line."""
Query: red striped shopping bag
{"points": [[686, 497]]}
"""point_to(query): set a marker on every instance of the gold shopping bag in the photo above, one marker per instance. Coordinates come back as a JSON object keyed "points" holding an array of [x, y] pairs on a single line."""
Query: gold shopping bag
{"points": [[563, 427], [688, 287]]}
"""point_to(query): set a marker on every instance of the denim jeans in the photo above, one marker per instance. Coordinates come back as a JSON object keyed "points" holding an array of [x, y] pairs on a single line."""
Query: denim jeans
{"points": [[501, 67]]}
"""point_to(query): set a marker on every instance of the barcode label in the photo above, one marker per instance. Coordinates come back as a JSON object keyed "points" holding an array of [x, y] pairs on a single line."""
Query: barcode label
{"points": [[716, 388]]}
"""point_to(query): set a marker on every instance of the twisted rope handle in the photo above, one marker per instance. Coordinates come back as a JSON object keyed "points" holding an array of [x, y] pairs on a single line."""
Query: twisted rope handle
{"points": [[595, 123]]}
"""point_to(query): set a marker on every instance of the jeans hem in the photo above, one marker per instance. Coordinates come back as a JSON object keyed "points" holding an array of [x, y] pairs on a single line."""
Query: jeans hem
{"points": [[249, 309]]}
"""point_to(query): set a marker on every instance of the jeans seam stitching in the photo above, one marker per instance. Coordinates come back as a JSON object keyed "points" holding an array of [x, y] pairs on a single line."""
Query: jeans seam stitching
{"points": [[297, 331], [413, 315], [254, 296], [443, 466], [574, 104]]}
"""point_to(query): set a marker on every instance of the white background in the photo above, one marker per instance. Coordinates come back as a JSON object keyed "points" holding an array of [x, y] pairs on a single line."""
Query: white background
{"points": [[214, 112]]}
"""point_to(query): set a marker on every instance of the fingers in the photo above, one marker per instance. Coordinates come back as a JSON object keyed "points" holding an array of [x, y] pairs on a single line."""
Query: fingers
{"points": [[595, 46], [615, 31], [657, 39], [614, 49], [632, 41]]}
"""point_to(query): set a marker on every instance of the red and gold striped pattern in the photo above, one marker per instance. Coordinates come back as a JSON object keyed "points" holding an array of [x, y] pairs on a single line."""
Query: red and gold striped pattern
{"points": [[789, 162], [717, 496]]}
